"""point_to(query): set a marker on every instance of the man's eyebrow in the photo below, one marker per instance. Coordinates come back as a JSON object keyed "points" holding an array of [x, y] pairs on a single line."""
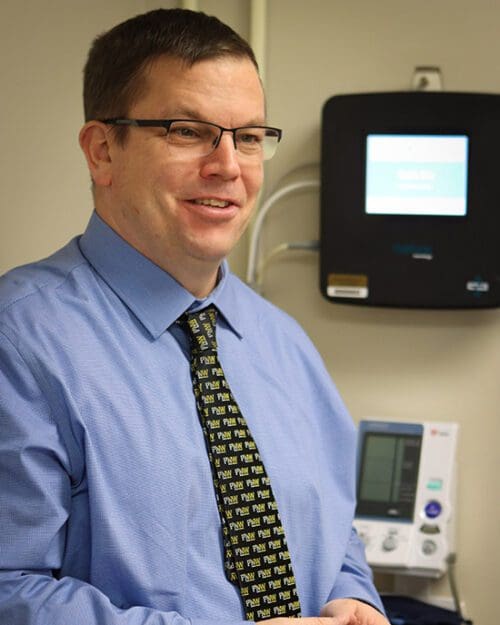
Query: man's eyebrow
{"points": [[187, 113], [180, 113]]}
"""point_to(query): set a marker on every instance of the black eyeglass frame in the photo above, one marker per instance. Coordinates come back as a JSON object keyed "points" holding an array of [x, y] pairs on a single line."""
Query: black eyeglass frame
{"points": [[166, 123]]}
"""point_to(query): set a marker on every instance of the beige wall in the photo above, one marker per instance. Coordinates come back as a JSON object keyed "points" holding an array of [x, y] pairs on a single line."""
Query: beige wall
{"points": [[411, 365]]}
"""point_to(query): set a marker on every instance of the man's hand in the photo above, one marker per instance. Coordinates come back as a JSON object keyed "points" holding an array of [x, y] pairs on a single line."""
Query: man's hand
{"points": [[352, 612], [338, 612]]}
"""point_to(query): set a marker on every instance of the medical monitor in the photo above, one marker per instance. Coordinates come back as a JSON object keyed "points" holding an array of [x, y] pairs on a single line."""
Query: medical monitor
{"points": [[410, 196], [406, 494]]}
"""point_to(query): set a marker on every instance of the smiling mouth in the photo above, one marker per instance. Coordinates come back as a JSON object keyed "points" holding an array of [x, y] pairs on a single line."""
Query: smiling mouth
{"points": [[212, 202]]}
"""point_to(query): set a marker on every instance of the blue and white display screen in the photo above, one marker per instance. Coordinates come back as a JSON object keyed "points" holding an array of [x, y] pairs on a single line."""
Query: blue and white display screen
{"points": [[416, 174]]}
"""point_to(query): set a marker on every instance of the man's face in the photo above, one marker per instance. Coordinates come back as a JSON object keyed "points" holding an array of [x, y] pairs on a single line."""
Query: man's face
{"points": [[187, 212]]}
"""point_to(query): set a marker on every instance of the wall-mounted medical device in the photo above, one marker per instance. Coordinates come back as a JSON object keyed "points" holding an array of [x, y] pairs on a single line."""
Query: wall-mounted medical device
{"points": [[410, 199], [406, 487]]}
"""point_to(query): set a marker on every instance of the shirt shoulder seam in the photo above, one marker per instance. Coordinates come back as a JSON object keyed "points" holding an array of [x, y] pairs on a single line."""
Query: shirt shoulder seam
{"points": [[40, 287]]}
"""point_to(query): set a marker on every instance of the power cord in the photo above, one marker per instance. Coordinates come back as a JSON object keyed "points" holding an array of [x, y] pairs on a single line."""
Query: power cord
{"points": [[451, 561]]}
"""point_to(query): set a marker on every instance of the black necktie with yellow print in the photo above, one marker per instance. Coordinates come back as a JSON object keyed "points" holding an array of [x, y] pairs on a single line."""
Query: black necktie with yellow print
{"points": [[256, 555]]}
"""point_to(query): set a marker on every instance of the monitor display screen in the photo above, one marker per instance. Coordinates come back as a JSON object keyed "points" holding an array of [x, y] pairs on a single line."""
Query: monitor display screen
{"points": [[416, 174], [387, 482]]}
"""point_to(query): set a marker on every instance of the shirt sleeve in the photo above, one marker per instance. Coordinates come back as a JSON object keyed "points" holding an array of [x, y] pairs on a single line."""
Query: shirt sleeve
{"points": [[37, 477], [355, 580]]}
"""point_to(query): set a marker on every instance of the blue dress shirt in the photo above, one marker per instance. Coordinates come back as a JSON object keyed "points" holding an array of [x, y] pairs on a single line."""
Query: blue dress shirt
{"points": [[107, 507]]}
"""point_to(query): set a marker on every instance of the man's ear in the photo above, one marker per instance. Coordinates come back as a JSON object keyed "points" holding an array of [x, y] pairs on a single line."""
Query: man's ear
{"points": [[94, 141]]}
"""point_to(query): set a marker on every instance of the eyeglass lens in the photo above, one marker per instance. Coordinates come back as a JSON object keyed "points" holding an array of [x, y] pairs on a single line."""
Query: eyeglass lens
{"points": [[201, 138]]}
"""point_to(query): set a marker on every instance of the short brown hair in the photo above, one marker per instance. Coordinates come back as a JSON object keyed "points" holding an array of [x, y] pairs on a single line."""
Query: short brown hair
{"points": [[113, 74]]}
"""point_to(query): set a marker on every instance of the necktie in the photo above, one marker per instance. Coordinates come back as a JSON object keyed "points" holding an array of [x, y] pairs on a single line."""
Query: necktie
{"points": [[256, 555]]}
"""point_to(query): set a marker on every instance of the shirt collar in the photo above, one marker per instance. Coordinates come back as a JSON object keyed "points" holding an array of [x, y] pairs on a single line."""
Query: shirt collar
{"points": [[151, 293]]}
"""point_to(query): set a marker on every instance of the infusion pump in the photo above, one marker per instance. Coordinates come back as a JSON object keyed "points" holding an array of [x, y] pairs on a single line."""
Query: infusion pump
{"points": [[406, 486]]}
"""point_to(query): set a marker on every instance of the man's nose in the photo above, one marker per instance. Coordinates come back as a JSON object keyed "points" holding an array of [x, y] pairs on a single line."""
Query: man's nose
{"points": [[229, 133], [223, 160]]}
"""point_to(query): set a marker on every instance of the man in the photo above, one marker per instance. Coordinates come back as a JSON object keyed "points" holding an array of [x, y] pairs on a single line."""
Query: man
{"points": [[109, 513]]}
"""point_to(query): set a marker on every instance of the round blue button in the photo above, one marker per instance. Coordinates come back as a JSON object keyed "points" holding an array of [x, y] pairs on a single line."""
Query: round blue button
{"points": [[433, 509]]}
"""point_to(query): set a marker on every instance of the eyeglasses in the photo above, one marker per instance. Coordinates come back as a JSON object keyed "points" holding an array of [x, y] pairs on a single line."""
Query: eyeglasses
{"points": [[193, 138]]}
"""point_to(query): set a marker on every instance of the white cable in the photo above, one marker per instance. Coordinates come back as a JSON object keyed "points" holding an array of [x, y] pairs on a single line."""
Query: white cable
{"points": [[282, 247], [295, 170], [271, 200], [308, 246]]}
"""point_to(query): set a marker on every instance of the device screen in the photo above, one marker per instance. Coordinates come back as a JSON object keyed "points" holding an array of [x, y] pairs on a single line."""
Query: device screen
{"points": [[416, 174], [387, 482]]}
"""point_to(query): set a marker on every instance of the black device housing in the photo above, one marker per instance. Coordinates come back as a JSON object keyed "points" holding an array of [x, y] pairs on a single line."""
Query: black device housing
{"points": [[409, 260]]}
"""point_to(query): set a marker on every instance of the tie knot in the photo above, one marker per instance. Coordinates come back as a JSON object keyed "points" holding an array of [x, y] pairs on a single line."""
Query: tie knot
{"points": [[201, 327]]}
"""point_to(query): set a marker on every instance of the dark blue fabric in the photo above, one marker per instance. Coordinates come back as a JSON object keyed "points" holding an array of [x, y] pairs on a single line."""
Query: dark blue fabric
{"points": [[403, 610]]}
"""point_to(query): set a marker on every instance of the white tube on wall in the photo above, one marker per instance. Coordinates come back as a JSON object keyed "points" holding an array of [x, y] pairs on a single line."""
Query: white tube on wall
{"points": [[259, 220], [258, 15], [193, 5]]}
